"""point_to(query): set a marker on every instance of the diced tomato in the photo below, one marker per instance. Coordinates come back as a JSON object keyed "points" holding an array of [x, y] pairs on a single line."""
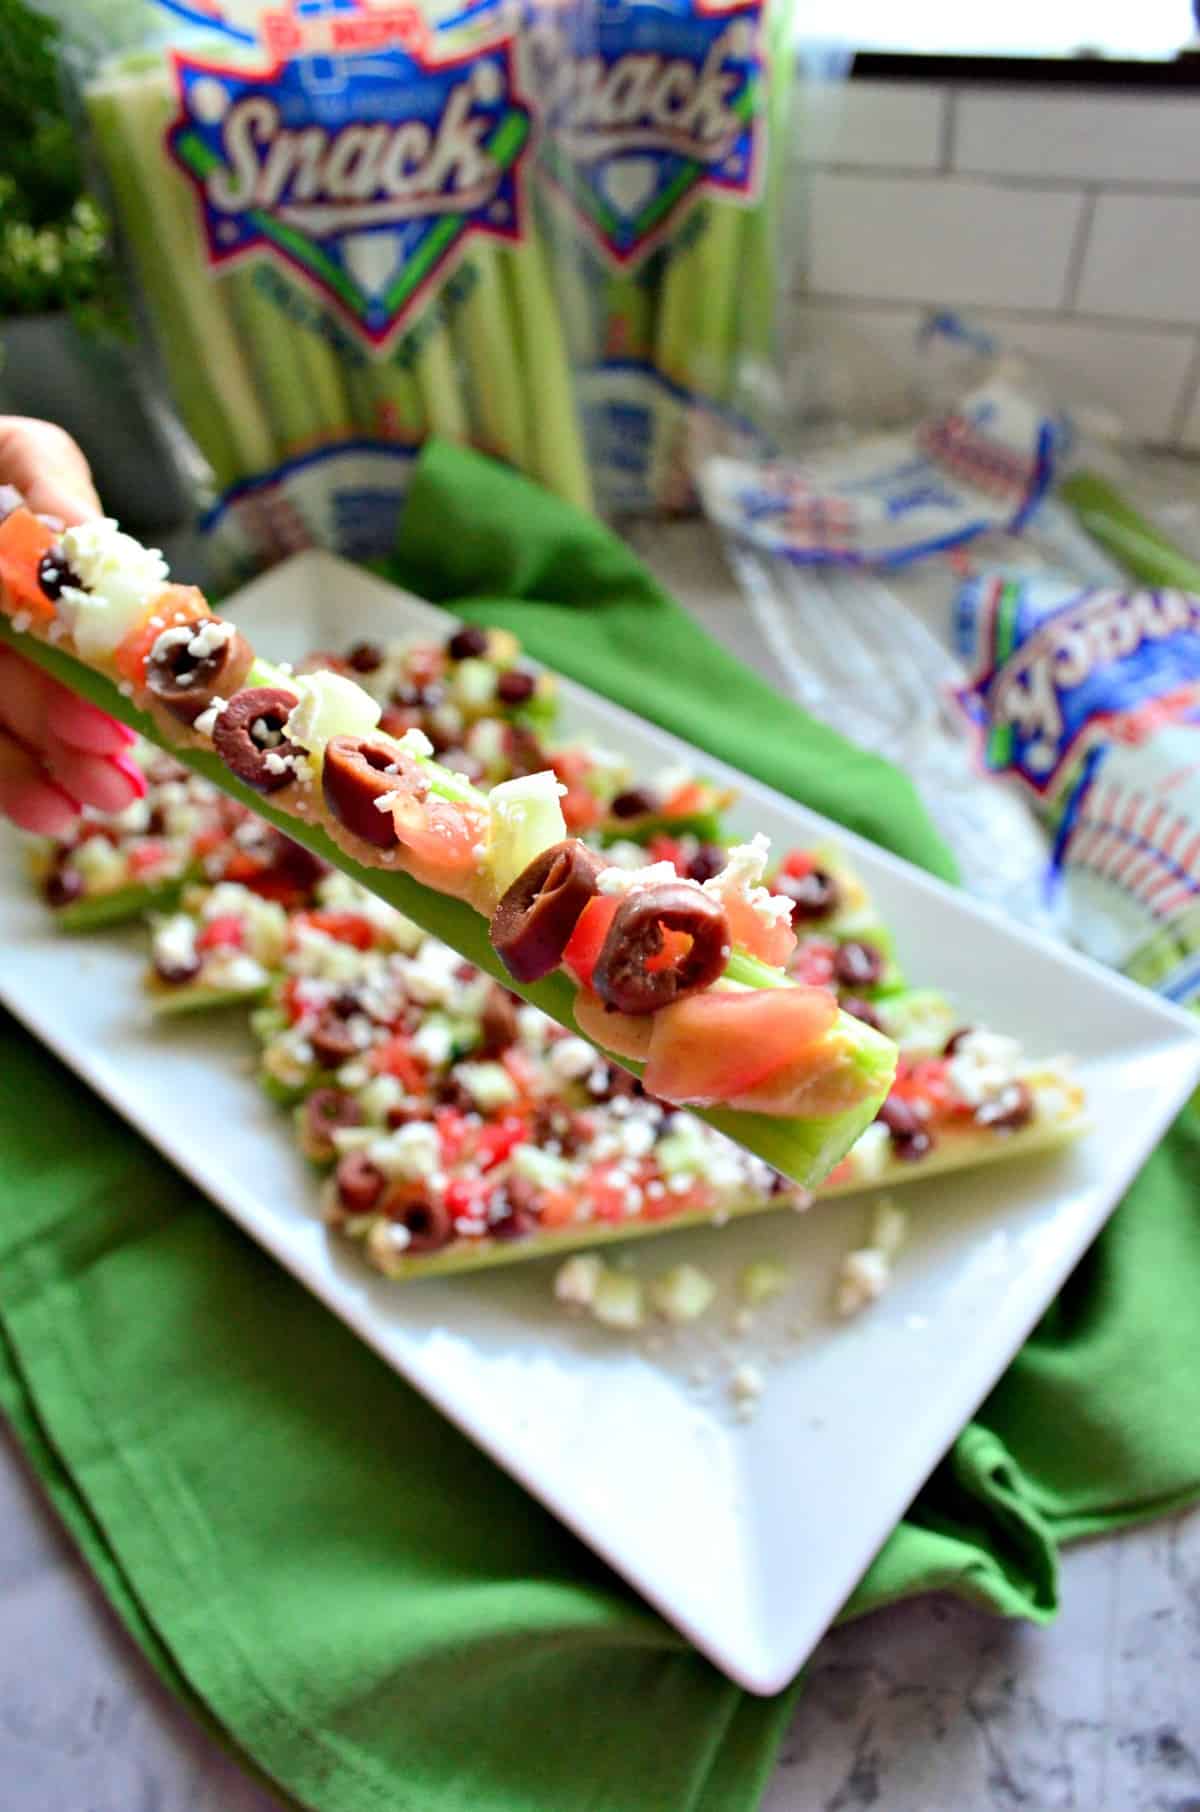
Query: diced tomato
{"points": [[675, 946], [686, 800], [425, 664], [667, 849], [571, 765], [144, 857], [798, 863], [176, 605], [558, 1207], [497, 1142], [394, 1058], [927, 1080], [626, 1034], [226, 932], [344, 927], [770, 943], [841, 1173], [23, 541], [207, 842], [440, 839], [813, 962], [453, 1132], [241, 866], [607, 1188], [697, 1198], [467, 1196], [591, 929], [521, 1071], [810, 1087], [580, 808], [714, 1046]]}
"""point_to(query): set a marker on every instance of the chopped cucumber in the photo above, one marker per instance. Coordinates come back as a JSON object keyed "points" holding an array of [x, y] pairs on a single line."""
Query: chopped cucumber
{"points": [[524, 818]]}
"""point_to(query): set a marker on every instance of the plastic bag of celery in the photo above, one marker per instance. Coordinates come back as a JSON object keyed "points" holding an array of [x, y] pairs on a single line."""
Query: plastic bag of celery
{"points": [[666, 166], [326, 217]]}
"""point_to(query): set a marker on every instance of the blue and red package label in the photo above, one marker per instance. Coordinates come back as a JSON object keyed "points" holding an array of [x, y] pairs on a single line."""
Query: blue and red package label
{"points": [[895, 498], [645, 106], [1057, 670], [363, 154]]}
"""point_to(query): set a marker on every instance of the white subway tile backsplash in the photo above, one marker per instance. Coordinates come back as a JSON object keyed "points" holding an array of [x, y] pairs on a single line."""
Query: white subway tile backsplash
{"points": [[1142, 259], [896, 125], [918, 239], [1138, 373], [1096, 138]]}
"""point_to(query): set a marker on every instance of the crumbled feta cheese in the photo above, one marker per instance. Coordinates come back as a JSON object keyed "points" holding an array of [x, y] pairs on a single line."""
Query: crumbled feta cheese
{"points": [[211, 635], [134, 818], [313, 953], [576, 1280], [871, 1152], [983, 1064], [533, 1028], [889, 1226], [206, 723], [431, 975], [119, 581], [174, 940], [410, 1154], [433, 1043], [746, 1382], [627, 880], [862, 1279], [101, 866], [415, 742], [486, 742], [742, 874], [275, 763], [570, 1059]]}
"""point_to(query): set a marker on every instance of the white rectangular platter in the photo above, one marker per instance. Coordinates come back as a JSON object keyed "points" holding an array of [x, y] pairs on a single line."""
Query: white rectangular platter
{"points": [[746, 1535]]}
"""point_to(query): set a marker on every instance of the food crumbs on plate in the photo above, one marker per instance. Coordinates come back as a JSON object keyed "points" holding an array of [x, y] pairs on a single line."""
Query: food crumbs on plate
{"points": [[758, 1283], [746, 1385], [683, 1293], [865, 1273]]}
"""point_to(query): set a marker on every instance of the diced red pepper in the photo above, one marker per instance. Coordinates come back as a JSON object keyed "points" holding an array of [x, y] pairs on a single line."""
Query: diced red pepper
{"points": [[23, 541], [394, 1057], [927, 1080], [344, 927], [798, 863], [226, 932], [588, 937]]}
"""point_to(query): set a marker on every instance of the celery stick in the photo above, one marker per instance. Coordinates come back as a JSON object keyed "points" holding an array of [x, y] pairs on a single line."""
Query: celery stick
{"points": [[386, 401], [487, 341], [130, 114], [718, 279], [1132, 540], [805, 1150], [559, 458], [269, 342]]}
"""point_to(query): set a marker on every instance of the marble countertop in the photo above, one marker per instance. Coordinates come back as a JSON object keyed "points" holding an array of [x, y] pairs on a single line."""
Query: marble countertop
{"points": [[929, 1706]]}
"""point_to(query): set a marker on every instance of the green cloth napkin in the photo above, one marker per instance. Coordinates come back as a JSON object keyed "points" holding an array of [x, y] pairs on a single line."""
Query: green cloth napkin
{"points": [[371, 1613]]}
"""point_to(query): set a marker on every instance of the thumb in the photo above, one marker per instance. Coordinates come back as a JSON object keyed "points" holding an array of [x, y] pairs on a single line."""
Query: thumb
{"points": [[47, 467]]}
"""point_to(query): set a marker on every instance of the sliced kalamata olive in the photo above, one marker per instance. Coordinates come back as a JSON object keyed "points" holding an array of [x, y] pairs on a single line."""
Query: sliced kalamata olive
{"points": [[708, 861], [186, 678], [424, 697], [467, 644], [332, 1043], [1008, 1110], [498, 1023], [63, 885], [250, 728], [405, 1113], [525, 753], [357, 770], [359, 1183], [857, 965], [326, 1111], [862, 1009], [427, 1219], [622, 978], [519, 1216], [365, 657], [301, 866], [955, 1039], [177, 971], [532, 925], [910, 1136], [515, 686], [54, 572], [813, 896], [10, 500], [633, 804]]}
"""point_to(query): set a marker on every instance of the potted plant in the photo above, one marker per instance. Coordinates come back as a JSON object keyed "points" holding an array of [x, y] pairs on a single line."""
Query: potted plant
{"points": [[69, 349]]}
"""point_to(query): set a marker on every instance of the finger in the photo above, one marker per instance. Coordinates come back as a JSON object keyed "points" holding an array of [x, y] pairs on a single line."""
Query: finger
{"points": [[76, 721], [108, 782], [28, 797], [47, 467], [23, 695]]}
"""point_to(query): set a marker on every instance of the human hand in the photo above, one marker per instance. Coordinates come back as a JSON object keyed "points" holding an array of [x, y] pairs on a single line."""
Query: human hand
{"points": [[57, 751]]}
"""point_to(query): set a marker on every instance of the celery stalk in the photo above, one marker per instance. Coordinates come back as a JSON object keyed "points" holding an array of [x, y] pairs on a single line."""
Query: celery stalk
{"points": [[439, 384], [129, 114], [559, 458], [803, 1150], [485, 335]]}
